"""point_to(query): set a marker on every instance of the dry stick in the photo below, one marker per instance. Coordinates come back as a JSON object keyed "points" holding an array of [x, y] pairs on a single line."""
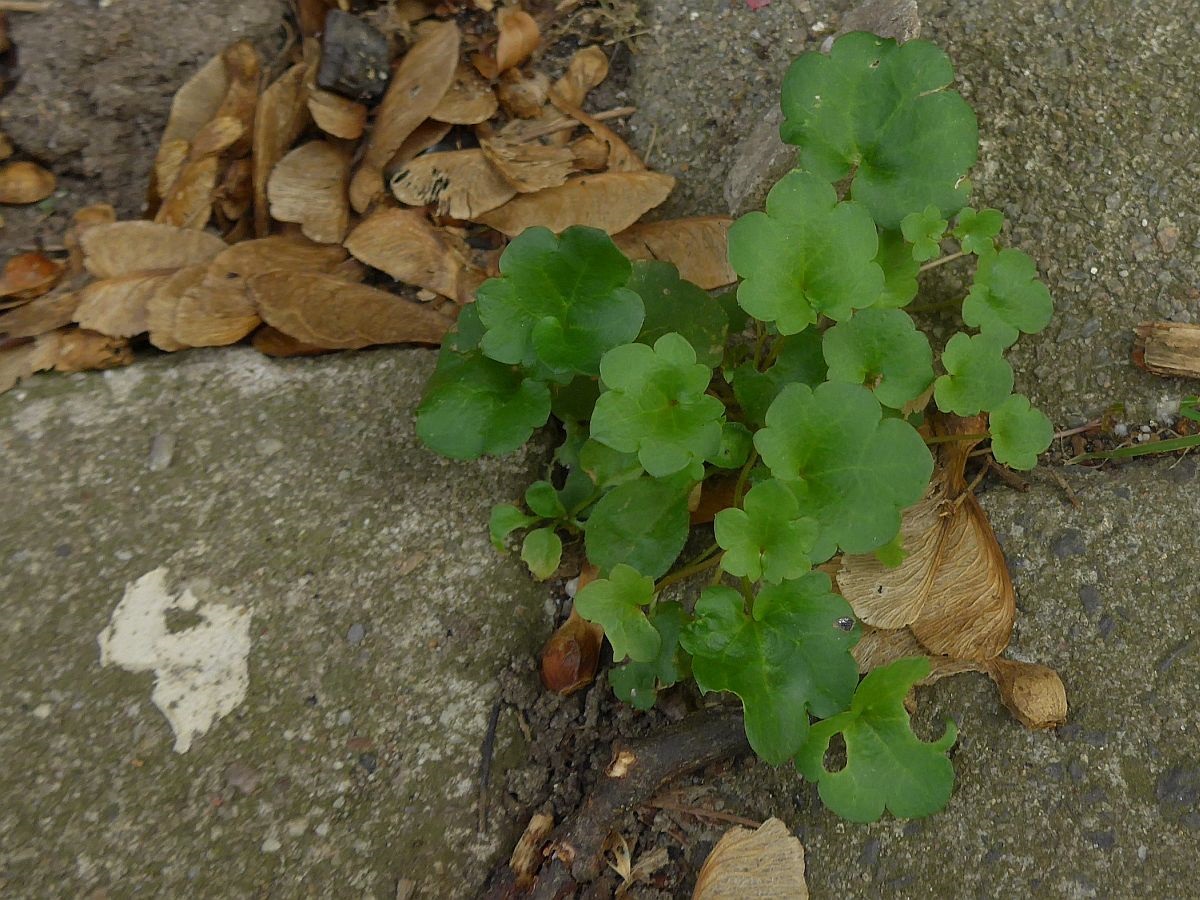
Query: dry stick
{"points": [[1066, 488], [564, 123], [639, 769], [1008, 476], [485, 764], [25, 6], [701, 813]]}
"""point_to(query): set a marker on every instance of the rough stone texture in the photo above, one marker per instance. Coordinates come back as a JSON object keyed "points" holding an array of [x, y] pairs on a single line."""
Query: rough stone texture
{"points": [[381, 619], [1088, 124]]}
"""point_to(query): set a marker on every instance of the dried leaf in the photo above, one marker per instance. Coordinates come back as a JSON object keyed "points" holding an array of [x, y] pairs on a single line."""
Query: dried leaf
{"points": [[39, 316], [123, 248], [197, 101], [416, 89], [1171, 349], [273, 342], [588, 67], [523, 95], [310, 15], [29, 275], [327, 312], [766, 862], [519, 37], [461, 183], [611, 201], [6, 147], [235, 192], [281, 116], [570, 656], [621, 157], [167, 165], [428, 134], [84, 218], [879, 647], [1033, 693], [214, 313], [308, 186], [65, 350], [117, 306], [528, 166], [188, 203], [25, 182], [337, 115], [163, 307], [527, 857], [468, 101], [274, 254], [243, 67], [403, 243], [696, 246]]}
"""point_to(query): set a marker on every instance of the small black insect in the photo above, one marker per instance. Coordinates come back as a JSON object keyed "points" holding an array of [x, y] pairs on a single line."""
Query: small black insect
{"points": [[845, 623]]}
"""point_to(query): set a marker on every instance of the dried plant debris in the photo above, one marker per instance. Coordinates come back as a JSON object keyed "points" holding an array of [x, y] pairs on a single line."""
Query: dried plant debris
{"points": [[766, 862], [406, 144], [1171, 349]]}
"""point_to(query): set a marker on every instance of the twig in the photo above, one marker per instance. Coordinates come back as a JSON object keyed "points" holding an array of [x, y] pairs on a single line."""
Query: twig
{"points": [[485, 764], [1062, 483], [565, 123], [650, 147], [941, 262], [701, 813], [25, 6], [1008, 476], [1088, 426]]}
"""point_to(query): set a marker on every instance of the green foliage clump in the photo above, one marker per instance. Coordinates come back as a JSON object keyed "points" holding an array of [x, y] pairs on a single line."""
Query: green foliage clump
{"points": [[807, 387]]}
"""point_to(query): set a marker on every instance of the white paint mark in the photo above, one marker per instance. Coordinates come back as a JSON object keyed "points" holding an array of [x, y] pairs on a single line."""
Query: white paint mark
{"points": [[201, 673]]}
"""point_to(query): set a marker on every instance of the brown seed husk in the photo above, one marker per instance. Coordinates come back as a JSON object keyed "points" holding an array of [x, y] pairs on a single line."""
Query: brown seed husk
{"points": [[519, 37], [416, 89], [196, 102], [123, 248], [403, 243], [214, 313], [611, 201], [172, 155], [280, 117], [25, 182], [274, 254], [84, 218], [570, 656], [308, 186], [244, 69], [528, 166], [117, 306], [697, 246], [235, 192], [28, 275], [336, 115], [39, 316], [324, 311], [273, 342], [766, 862], [521, 95], [65, 350], [461, 183], [1171, 349], [163, 307], [188, 203], [588, 67], [1033, 693], [468, 101]]}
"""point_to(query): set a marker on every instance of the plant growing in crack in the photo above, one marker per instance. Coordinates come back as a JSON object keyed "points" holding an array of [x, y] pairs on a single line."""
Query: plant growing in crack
{"points": [[806, 397]]}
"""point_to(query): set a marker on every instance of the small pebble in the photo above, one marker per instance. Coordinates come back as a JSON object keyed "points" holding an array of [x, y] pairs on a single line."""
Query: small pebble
{"points": [[356, 634], [344, 717], [42, 711], [271, 845], [297, 827], [162, 450], [269, 446], [322, 829]]}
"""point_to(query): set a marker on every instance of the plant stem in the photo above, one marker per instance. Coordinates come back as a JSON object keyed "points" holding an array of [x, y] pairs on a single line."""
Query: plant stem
{"points": [[759, 342], [774, 354], [952, 438], [688, 572], [941, 262], [740, 485]]}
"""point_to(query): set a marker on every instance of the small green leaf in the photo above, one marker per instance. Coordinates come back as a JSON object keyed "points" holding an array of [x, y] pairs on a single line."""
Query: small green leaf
{"points": [[638, 683], [736, 442], [737, 317], [882, 349], [542, 498], [886, 764], [892, 553], [788, 660], [766, 539], [504, 520], [1019, 433], [807, 255], [542, 551], [468, 331], [976, 230], [617, 603], [642, 523], [673, 304], [925, 230], [474, 405], [560, 301], [900, 270], [608, 467], [979, 377], [1007, 298], [882, 112], [574, 401], [655, 405], [849, 467], [800, 361]]}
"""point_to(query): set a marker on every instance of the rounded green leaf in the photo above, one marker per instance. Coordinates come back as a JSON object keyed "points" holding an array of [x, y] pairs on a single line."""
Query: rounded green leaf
{"points": [[887, 765], [542, 498], [608, 467], [504, 520], [807, 255], [790, 659], [978, 376], [849, 468], [1019, 433], [800, 361], [655, 405], [559, 303], [474, 405], [617, 603], [673, 304], [976, 230], [881, 112], [642, 523], [541, 551], [736, 441], [882, 349], [900, 270], [766, 539], [1007, 298], [638, 683], [925, 230]]}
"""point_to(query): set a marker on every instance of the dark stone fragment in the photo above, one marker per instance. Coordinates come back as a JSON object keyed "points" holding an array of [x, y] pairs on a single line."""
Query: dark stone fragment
{"points": [[870, 853], [1178, 794], [1103, 840], [354, 58], [1069, 543], [1089, 596], [1077, 770], [62, 551], [369, 762], [1105, 626]]}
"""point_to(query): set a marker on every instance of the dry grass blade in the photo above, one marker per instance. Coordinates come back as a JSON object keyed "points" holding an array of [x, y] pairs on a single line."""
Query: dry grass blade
{"points": [[611, 201], [519, 37], [308, 186], [696, 246], [280, 117], [324, 311], [468, 101], [336, 115], [528, 166], [27, 276], [123, 248], [767, 862], [461, 183], [22, 183], [416, 89], [1171, 349], [403, 243], [39, 316], [117, 306]]}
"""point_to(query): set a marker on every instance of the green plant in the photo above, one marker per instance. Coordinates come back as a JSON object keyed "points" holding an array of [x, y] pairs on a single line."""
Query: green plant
{"points": [[810, 385]]}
